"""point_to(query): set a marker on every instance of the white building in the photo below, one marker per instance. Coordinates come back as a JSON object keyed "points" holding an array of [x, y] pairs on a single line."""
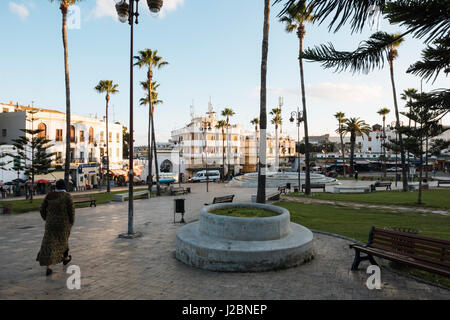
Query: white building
{"points": [[87, 138], [240, 147]]}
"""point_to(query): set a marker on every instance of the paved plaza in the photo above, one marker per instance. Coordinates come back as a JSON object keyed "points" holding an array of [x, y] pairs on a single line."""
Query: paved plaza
{"points": [[146, 268]]}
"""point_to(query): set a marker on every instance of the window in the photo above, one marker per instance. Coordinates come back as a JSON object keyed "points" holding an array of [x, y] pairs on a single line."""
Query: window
{"points": [[110, 136], [370, 139], [117, 153], [118, 137], [91, 135], [4, 132], [102, 136], [81, 136], [5, 110], [72, 134], [43, 128], [59, 135], [82, 156]]}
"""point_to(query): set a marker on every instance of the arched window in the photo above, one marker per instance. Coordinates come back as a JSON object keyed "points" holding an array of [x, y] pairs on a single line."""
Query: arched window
{"points": [[72, 134], [43, 128], [91, 135]]}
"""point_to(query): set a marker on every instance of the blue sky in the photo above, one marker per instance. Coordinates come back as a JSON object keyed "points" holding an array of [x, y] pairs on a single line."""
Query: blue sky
{"points": [[214, 50]]}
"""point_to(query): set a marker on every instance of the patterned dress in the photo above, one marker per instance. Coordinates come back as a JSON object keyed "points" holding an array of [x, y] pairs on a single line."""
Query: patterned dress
{"points": [[59, 214]]}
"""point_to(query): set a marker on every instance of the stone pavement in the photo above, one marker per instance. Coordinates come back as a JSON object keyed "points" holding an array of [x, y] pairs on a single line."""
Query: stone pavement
{"points": [[146, 268]]}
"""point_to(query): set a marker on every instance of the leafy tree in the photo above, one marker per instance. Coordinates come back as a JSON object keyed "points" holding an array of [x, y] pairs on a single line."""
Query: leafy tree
{"points": [[340, 116], [222, 124], [355, 126], [277, 121], [108, 87], [228, 112], [125, 142], [149, 59], [383, 112], [295, 18]]}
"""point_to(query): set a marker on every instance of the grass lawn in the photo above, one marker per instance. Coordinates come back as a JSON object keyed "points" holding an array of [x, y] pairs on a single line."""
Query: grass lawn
{"points": [[22, 206], [356, 224], [430, 198], [243, 212]]}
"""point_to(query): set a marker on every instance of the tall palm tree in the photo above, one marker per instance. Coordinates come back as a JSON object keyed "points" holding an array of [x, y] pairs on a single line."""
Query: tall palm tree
{"points": [[295, 18], [108, 87], [355, 126], [276, 113], [384, 112], [255, 122], [340, 116], [149, 58], [228, 112], [64, 7], [146, 101], [370, 54], [261, 194], [221, 124]]}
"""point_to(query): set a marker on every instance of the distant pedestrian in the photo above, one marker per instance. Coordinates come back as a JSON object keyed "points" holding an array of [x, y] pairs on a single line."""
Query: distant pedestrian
{"points": [[58, 211], [356, 175]]}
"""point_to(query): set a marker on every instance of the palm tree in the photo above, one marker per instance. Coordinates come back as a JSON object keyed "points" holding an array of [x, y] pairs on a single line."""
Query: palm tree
{"points": [[370, 54], [276, 113], [340, 116], [108, 87], [228, 112], [295, 18], [150, 59], [221, 124], [261, 194], [143, 102], [408, 95], [384, 112], [64, 7], [255, 122], [355, 127]]}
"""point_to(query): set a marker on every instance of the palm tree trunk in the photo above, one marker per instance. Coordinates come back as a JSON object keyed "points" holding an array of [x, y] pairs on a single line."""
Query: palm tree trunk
{"points": [[158, 187], [352, 152], [64, 9], [400, 138], [426, 156], [223, 154], [301, 34], [261, 194], [384, 148], [108, 187], [342, 148], [149, 141]]}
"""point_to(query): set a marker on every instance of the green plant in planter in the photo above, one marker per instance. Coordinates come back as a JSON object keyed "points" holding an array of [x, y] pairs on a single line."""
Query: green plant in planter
{"points": [[244, 212]]}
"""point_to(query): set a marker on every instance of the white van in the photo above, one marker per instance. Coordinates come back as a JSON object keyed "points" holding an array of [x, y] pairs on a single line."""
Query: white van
{"points": [[213, 175]]}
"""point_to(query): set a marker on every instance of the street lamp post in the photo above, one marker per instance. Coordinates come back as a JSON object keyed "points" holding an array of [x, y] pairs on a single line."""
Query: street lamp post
{"points": [[206, 126], [298, 117], [130, 12]]}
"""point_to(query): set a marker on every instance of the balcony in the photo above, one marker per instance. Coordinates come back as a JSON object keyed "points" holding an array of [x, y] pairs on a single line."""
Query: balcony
{"points": [[93, 160]]}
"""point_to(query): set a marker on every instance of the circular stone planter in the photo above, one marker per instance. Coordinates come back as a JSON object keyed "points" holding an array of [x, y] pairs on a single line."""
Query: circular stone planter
{"points": [[223, 243]]}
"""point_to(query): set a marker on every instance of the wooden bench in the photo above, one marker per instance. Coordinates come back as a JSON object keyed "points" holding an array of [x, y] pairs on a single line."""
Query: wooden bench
{"points": [[224, 199], [383, 184], [84, 198], [443, 182], [273, 196], [282, 189], [177, 190], [415, 187], [429, 254], [362, 189], [121, 197], [315, 186]]}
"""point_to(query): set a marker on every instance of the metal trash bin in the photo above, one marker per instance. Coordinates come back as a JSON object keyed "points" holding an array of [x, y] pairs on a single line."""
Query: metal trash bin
{"points": [[179, 208]]}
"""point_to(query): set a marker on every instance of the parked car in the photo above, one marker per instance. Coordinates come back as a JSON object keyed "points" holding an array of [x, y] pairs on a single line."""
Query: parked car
{"points": [[213, 175], [393, 169]]}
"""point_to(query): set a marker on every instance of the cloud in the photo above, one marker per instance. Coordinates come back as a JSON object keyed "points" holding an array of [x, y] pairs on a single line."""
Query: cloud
{"points": [[335, 92], [19, 9], [106, 8]]}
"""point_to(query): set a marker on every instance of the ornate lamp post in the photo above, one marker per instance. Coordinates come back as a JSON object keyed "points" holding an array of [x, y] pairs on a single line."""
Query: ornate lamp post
{"points": [[206, 126], [130, 12], [298, 117]]}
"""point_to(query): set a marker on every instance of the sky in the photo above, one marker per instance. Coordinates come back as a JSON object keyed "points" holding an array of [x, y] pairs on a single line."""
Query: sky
{"points": [[214, 52]]}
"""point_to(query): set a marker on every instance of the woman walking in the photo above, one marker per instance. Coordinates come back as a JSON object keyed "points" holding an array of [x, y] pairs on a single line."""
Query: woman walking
{"points": [[58, 212]]}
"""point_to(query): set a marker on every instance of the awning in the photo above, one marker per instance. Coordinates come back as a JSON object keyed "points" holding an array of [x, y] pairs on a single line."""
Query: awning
{"points": [[137, 171], [53, 176], [118, 172]]}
